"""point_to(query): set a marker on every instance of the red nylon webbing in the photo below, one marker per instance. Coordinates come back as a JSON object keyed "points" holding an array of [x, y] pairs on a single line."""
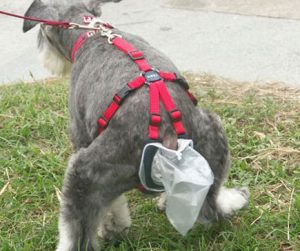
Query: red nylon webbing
{"points": [[171, 108], [154, 110], [166, 97], [169, 76], [63, 24], [137, 83], [79, 42], [111, 110], [115, 104], [129, 50], [154, 98], [83, 37]]}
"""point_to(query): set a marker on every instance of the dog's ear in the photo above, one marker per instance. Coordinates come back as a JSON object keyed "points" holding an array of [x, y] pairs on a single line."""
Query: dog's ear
{"points": [[94, 7], [38, 9]]}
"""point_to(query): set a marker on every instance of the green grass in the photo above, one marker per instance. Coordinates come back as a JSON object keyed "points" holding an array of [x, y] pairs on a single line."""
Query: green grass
{"points": [[263, 129]]}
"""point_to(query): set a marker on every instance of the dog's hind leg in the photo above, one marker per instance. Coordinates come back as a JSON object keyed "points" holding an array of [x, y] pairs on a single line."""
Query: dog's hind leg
{"points": [[211, 142], [91, 184], [116, 221]]}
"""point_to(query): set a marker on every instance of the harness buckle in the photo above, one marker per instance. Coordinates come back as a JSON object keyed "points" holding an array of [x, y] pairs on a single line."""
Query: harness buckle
{"points": [[102, 122], [117, 99], [181, 80], [151, 76], [155, 119], [183, 136], [122, 94], [136, 55], [175, 115]]}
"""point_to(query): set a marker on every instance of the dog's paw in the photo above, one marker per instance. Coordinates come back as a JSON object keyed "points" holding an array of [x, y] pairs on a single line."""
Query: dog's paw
{"points": [[244, 191], [160, 201], [111, 229]]}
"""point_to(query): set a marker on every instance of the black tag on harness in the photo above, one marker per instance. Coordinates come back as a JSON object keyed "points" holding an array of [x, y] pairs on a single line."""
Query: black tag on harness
{"points": [[151, 76]]}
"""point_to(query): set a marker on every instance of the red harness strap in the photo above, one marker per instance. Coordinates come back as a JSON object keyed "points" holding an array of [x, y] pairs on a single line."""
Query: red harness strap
{"points": [[79, 42], [157, 91], [117, 101], [136, 55]]}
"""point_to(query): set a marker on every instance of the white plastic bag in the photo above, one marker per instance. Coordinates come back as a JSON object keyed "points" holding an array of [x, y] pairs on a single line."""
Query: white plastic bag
{"points": [[185, 176]]}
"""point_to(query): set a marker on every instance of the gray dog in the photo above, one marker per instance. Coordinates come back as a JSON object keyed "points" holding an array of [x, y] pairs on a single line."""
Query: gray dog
{"points": [[105, 166]]}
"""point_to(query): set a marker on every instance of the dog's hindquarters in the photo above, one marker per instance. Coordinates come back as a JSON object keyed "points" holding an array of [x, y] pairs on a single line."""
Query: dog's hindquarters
{"points": [[211, 142]]}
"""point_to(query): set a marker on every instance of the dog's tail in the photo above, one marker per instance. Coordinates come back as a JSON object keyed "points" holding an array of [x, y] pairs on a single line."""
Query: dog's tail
{"points": [[170, 139]]}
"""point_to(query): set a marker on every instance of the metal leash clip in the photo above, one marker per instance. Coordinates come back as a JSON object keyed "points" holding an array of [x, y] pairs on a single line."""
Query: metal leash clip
{"points": [[96, 26], [75, 26], [106, 32]]}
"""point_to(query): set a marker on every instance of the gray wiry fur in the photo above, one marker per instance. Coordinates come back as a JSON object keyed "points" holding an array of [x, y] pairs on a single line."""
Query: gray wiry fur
{"points": [[104, 167]]}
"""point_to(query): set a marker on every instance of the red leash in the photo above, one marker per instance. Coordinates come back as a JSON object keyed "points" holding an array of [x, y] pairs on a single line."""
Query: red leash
{"points": [[65, 25]]}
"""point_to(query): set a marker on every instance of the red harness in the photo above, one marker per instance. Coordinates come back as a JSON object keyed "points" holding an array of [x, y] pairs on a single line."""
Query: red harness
{"points": [[157, 91], [151, 77]]}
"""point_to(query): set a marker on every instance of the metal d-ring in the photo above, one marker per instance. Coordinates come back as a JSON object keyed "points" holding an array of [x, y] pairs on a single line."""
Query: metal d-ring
{"points": [[111, 37]]}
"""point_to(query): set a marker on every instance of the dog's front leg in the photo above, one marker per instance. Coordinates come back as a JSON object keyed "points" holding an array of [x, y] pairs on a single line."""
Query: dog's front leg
{"points": [[91, 187]]}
